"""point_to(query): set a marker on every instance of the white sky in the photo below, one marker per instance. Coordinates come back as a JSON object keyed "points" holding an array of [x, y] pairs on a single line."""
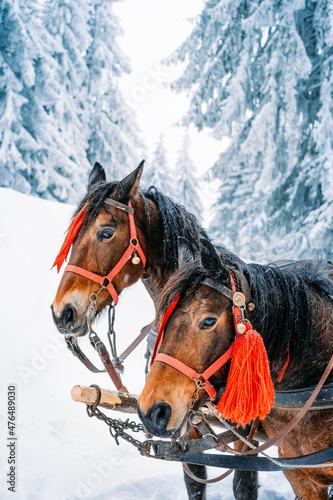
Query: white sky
{"points": [[153, 29]]}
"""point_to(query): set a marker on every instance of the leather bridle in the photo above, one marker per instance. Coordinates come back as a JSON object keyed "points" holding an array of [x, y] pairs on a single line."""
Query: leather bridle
{"points": [[133, 250]]}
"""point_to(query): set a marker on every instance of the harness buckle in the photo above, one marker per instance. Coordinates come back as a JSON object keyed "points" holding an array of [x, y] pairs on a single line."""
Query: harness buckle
{"points": [[106, 282], [199, 382]]}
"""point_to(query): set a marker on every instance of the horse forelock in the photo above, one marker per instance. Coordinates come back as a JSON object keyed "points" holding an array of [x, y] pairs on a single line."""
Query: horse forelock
{"points": [[95, 199], [186, 281]]}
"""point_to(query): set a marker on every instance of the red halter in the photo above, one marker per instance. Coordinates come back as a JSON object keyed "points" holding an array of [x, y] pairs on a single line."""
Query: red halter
{"points": [[201, 379], [133, 247], [249, 392]]}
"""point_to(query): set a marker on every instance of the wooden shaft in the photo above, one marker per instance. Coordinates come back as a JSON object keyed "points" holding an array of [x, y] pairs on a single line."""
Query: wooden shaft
{"points": [[112, 400], [126, 403]]}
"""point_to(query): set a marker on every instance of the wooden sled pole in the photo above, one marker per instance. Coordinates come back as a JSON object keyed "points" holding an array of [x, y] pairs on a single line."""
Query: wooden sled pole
{"points": [[127, 403], [119, 401]]}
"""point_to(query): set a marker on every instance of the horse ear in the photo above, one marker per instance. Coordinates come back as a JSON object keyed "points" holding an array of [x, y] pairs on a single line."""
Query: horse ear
{"points": [[209, 257], [96, 176], [186, 251], [129, 186]]}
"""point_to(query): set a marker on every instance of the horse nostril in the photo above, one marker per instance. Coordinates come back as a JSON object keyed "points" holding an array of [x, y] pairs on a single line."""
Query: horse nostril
{"points": [[68, 316], [160, 415]]}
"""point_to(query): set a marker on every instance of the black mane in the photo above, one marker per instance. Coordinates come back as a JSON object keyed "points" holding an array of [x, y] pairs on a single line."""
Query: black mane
{"points": [[176, 221]]}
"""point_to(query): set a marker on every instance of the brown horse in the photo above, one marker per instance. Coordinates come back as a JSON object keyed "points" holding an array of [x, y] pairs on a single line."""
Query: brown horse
{"points": [[293, 311], [99, 245]]}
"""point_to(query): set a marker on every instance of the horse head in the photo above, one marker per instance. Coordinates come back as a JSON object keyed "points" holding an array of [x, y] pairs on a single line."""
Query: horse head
{"points": [[103, 242], [199, 330]]}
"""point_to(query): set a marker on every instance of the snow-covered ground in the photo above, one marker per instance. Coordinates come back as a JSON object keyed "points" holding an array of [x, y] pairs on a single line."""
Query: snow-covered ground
{"points": [[61, 453]]}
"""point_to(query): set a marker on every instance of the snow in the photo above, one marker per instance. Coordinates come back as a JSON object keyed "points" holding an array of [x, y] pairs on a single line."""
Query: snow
{"points": [[61, 453]]}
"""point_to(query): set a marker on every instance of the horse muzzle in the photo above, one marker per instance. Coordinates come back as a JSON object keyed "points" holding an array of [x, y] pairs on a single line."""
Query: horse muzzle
{"points": [[156, 420], [67, 321]]}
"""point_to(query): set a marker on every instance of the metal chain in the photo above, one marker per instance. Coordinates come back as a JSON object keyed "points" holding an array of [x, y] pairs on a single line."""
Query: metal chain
{"points": [[117, 429], [111, 333]]}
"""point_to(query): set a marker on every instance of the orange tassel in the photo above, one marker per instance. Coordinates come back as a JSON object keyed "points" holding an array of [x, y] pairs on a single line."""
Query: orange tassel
{"points": [[72, 232], [249, 393]]}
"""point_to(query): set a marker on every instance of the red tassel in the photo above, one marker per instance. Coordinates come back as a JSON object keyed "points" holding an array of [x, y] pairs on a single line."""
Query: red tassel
{"points": [[72, 232], [249, 393]]}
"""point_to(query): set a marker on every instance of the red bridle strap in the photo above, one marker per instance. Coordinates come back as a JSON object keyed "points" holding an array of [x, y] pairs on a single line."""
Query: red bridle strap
{"points": [[164, 321], [106, 281], [201, 379]]}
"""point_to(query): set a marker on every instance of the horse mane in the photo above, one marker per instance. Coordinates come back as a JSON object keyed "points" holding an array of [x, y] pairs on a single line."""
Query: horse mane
{"points": [[284, 303], [175, 221], [284, 312]]}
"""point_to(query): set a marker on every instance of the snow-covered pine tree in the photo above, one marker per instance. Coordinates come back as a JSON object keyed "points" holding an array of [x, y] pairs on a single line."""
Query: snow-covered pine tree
{"points": [[158, 172], [42, 143], [45, 110], [113, 138], [187, 182], [260, 72]]}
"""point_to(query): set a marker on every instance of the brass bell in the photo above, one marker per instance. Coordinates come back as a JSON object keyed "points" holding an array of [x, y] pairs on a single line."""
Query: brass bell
{"points": [[135, 259], [251, 307], [241, 328], [238, 299]]}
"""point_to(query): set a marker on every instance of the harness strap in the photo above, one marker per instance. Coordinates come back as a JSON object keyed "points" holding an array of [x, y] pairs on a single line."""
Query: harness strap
{"points": [[254, 428], [261, 464], [143, 334], [165, 319], [73, 346], [200, 378], [105, 358]]}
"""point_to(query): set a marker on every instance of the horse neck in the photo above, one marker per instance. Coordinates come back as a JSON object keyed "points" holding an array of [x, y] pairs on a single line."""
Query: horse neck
{"points": [[155, 275]]}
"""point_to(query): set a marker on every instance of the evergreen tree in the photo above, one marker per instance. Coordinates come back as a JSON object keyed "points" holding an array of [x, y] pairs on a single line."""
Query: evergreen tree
{"points": [[187, 183], [158, 173], [260, 72], [113, 136], [46, 104]]}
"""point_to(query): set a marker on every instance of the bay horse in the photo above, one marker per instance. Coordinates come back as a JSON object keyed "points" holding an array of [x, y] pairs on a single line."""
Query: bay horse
{"points": [[99, 245], [293, 313]]}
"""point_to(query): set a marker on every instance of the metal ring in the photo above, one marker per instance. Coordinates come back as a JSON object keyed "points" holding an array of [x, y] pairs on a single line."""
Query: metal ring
{"points": [[99, 395], [194, 414], [93, 300]]}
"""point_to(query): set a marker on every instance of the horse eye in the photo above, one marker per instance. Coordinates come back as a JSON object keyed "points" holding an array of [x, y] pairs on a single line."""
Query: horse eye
{"points": [[207, 323], [105, 234]]}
